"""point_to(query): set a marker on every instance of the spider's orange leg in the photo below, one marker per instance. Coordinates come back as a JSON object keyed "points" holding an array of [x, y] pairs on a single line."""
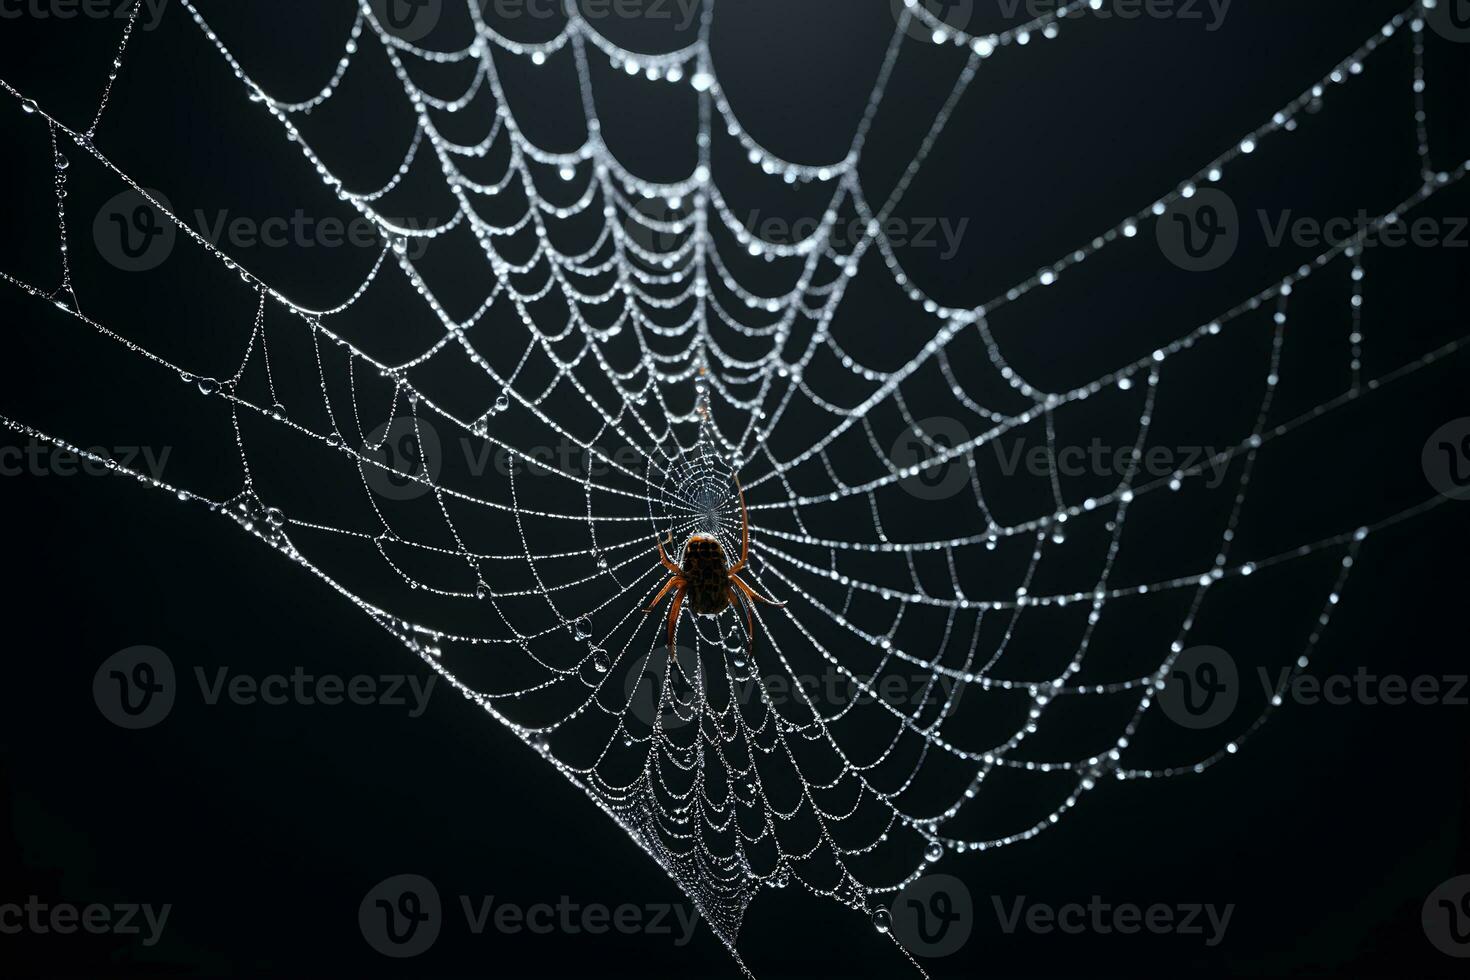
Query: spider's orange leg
{"points": [[674, 615], [663, 556], [752, 593], [744, 529], [674, 582]]}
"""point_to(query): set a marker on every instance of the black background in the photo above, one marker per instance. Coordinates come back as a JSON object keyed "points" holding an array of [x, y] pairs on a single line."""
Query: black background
{"points": [[264, 827]]}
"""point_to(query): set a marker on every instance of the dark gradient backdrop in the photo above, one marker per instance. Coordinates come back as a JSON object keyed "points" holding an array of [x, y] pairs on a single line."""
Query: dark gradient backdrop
{"points": [[263, 827]]}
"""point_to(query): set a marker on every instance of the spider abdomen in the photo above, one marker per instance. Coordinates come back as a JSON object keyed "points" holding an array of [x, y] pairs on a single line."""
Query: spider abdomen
{"points": [[708, 576]]}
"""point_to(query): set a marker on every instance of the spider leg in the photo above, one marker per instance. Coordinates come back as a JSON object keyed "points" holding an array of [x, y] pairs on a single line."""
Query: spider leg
{"points": [[663, 556], [673, 582], [744, 529], [674, 615], [752, 593]]}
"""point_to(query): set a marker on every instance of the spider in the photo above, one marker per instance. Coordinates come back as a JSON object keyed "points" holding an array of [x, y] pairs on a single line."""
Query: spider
{"points": [[707, 579]]}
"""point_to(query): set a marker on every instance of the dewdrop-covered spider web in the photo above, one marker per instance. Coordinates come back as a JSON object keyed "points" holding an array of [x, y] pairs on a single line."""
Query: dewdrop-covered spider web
{"points": [[487, 480]]}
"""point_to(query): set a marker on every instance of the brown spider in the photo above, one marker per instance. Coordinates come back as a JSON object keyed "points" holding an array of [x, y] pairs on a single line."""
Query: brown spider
{"points": [[707, 579]]}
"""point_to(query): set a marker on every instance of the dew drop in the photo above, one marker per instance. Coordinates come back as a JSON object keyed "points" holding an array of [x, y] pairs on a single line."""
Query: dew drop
{"points": [[882, 920]]}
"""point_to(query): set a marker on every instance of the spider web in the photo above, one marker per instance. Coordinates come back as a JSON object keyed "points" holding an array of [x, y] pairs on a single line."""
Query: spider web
{"points": [[620, 319]]}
